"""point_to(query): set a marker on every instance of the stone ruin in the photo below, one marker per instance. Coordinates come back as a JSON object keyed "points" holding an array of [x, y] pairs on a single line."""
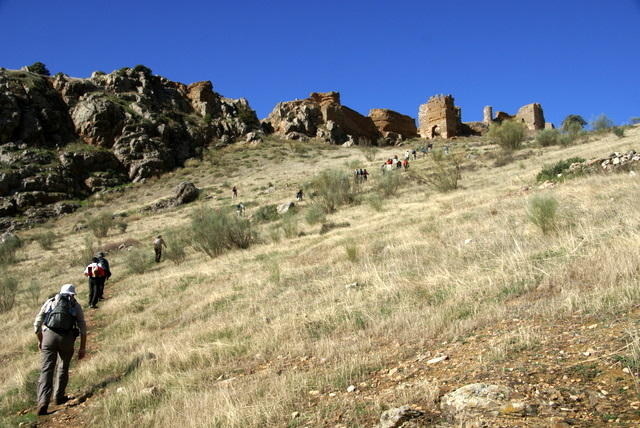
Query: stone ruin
{"points": [[439, 117]]}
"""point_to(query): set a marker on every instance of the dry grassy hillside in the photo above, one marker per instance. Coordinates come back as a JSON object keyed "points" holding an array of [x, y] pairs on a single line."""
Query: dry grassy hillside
{"points": [[272, 335]]}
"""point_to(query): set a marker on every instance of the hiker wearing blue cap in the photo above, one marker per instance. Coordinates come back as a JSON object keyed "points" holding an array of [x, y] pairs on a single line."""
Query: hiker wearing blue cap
{"points": [[57, 325]]}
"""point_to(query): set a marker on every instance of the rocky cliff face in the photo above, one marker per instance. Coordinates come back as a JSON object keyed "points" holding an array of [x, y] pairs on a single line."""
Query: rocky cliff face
{"points": [[63, 138], [321, 116]]}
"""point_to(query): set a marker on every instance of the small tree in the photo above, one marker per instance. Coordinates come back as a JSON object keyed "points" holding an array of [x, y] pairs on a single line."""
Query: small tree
{"points": [[602, 123], [509, 134], [573, 123], [100, 224], [542, 211], [39, 68]]}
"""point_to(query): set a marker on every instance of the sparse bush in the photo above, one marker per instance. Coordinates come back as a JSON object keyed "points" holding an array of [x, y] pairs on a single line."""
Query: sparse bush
{"points": [[388, 184], [176, 240], [39, 68], [444, 172], [549, 137], [45, 239], [333, 188], [351, 250], [139, 260], [122, 226], [8, 249], [100, 224], [369, 152], [289, 226], [84, 254], [142, 69], [602, 123], [634, 120], [376, 202], [542, 211], [8, 288], [214, 232], [266, 213], [314, 214], [509, 134], [618, 131], [557, 171]]}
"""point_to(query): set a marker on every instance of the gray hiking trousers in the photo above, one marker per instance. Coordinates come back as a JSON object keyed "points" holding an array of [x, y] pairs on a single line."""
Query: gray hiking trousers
{"points": [[54, 346]]}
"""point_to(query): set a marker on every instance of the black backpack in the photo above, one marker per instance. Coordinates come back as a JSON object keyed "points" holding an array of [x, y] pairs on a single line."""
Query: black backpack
{"points": [[62, 318]]}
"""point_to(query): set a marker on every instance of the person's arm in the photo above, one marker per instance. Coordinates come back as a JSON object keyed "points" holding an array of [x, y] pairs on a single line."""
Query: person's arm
{"points": [[37, 325], [83, 346], [82, 326]]}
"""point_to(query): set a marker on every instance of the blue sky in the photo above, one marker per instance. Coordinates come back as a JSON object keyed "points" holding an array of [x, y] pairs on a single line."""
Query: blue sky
{"points": [[572, 56]]}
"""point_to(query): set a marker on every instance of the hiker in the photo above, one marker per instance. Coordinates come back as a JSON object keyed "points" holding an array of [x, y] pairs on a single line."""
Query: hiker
{"points": [[94, 271], [299, 195], [57, 325], [365, 174], [399, 165], [405, 163], [158, 243], [240, 209], [414, 153], [234, 192], [105, 265], [407, 155]]}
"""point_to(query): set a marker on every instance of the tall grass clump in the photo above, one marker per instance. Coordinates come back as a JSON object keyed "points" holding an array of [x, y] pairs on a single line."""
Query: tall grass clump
{"points": [[444, 172], [332, 188], [177, 241], [289, 226], [83, 255], [214, 232], [509, 134], [369, 152], [139, 260], [618, 131], [8, 288], [542, 211], [388, 184], [100, 224], [266, 213], [314, 214], [45, 239], [8, 248]]}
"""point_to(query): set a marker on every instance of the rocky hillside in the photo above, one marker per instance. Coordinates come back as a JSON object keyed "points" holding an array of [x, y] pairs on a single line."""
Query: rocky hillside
{"points": [[64, 138]]}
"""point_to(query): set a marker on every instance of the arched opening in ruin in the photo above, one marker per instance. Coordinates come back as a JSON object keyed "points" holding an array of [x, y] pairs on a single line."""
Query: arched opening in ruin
{"points": [[435, 131]]}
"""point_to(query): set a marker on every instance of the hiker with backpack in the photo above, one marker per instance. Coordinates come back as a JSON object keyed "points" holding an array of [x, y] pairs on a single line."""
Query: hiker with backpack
{"points": [[158, 243], [95, 272], [104, 263], [57, 325]]}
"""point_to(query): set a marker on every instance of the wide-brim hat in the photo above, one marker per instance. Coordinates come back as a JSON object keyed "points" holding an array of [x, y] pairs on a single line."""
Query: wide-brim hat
{"points": [[68, 289]]}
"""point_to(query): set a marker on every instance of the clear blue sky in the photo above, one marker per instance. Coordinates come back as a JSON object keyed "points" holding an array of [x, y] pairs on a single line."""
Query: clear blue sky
{"points": [[572, 56]]}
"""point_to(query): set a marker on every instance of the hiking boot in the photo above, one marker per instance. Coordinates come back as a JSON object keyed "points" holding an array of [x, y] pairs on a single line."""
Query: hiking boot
{"points": [[62, 400], [42, 410]]}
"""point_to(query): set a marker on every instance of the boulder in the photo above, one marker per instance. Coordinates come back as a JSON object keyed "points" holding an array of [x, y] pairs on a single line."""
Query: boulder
{"points": [[284, 208], [185, 192], [98, 119], [389, 121], [480, 400], [397, 417]]}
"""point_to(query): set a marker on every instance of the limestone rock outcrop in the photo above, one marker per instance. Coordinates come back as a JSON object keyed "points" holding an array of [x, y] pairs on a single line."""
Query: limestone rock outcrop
{"points": [[63, 138], [321, 116], [390, 123]]}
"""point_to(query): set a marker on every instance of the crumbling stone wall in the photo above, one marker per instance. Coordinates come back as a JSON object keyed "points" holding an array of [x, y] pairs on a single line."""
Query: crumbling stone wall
{"points": [[439, 117], [532, 116]]}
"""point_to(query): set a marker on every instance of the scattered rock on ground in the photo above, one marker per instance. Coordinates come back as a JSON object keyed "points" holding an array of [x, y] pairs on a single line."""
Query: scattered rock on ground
{"points": [[478, 400], [396, 418], [284, 208]]}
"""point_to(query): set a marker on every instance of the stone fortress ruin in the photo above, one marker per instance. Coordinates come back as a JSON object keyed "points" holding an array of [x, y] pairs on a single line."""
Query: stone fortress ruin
{"points": [[439, 117]]}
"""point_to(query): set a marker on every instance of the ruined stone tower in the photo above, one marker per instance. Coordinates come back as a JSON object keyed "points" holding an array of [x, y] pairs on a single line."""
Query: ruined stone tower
{"points": [[487, 115], [439, 117]]}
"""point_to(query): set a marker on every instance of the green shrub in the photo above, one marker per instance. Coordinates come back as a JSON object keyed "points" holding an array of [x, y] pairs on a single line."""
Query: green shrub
{"points": [[8, 288], [122, 226], [100, 224], [602, 123], [39, 68], [509, 134], [177, 240], [618, 131], [45, 239], [549, 137], [266, 213], [557, 171], [214, 232], [8, 249], [389, 183], [542, 211], [331, 189], [314, 214], [139, 260]]}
